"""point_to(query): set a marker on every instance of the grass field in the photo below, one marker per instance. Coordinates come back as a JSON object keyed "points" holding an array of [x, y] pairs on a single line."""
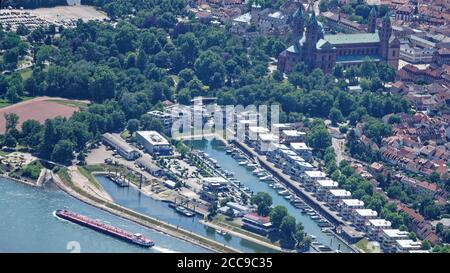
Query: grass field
{"points": [[5, 102], [72, 103], [26, 73]]}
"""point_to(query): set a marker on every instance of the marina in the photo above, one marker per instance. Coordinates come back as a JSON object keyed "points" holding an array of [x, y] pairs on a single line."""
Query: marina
{"points": [[133, 199], [247, 175]]}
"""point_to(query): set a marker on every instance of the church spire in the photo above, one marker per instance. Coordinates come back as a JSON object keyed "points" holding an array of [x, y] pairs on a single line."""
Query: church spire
{"points": [[385, 35], [297, 25], [372, 21]]}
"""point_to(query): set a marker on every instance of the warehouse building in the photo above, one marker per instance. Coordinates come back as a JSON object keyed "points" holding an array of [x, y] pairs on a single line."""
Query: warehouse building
{"points": [[121, 146], [147, 164]]}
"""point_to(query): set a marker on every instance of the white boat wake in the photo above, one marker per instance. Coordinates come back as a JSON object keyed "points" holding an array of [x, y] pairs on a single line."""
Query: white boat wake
{"points": [[164, 250]]}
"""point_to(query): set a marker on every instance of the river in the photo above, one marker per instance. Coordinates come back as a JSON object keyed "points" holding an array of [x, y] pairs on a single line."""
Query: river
{"points": [[216, 150], [28, 225], [133, 199]]}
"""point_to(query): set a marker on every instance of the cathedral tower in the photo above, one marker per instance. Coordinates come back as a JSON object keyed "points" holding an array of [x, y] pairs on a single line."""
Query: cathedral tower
{"points": [[297, 25], [385, 35], [312, 36], [372, 21]]}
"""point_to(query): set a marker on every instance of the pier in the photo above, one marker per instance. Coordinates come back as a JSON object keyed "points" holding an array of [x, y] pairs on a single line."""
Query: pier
{"points": [[293, 185], [64, 183]]}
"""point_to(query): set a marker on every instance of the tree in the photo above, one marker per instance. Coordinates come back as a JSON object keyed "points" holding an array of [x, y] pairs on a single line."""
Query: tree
{"points": [[149, 123], [212, 210], [133, 125], [126, 35], [446, 236], [394, 119], [323, 5], [338, 71], [150, 43], [426, 245], [300, 236], [439, 228], [412, 236], [335, 116], [276, 215], [22, 30], [189, 47], [209, 68], [9, 141], [230, 212], [362, 10], [287, 229], [141, 61], [11, 58], [434, 177], [12, 96], [431, 212], [102, 84], [63, 151], [30, 134], [12, 119], [318, 137], [263, 201]]}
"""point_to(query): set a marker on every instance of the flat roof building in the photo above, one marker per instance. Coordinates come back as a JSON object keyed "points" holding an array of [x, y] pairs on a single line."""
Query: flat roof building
{"points": [[361, 216], [254, 132], [302, 150], [264, 143], [323, 186], [289, 136], [310, 177], [335, 197], [348, 206], [375, 226], [215, 184], [389, 238], [153, 142], [404, 246]]}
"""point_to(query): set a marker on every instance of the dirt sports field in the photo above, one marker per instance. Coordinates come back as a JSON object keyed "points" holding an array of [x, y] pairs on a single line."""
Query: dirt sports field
{"points": [[40, 109]]}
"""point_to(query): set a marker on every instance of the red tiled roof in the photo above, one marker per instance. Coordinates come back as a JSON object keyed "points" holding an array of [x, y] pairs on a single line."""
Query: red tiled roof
{"points": [[414, 215], [257, 218], [429, 186]]}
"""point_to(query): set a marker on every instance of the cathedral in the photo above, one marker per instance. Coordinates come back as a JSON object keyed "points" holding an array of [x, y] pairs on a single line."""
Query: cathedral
{"points": [[316, 50]]}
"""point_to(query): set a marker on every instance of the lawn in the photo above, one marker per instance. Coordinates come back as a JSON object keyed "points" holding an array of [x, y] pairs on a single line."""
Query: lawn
{"points": [[72, 103], [26, 73], [5, 102], [367, 247]]}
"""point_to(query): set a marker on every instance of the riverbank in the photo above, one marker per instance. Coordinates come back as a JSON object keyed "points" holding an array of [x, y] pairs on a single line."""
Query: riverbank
{"points": [[240, 235], [64, 183], [20, 181]]}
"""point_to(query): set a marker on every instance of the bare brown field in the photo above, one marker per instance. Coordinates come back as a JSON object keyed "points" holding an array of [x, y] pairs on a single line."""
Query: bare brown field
{"points": [[40, 109]]}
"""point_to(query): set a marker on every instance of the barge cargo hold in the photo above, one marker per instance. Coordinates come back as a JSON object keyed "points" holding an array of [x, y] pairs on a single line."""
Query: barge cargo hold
{"points": [[137, 239]]}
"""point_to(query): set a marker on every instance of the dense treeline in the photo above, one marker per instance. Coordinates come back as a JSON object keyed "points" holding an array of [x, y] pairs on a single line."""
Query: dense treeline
{"points": [[128, 69], [32, 4], [147, 8]]}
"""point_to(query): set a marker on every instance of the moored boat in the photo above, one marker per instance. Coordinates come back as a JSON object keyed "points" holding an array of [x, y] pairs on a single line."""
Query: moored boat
{"points": [[184, 211], [136, 238]]}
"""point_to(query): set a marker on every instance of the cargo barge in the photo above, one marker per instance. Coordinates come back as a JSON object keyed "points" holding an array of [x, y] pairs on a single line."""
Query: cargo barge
{"points": [[137, 239]]}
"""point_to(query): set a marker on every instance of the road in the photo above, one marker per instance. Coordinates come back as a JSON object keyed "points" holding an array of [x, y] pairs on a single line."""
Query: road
{"points": [[339, 149]]}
